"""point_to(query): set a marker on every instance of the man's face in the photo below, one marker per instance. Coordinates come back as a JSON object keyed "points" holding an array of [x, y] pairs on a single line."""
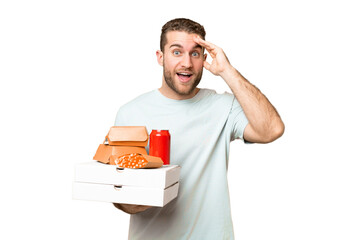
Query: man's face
{"points": [[182, 61]]}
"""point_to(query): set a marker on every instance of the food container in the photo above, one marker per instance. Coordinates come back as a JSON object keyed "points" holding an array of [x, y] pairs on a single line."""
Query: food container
{"points": [[96, 181], [122, 140]]}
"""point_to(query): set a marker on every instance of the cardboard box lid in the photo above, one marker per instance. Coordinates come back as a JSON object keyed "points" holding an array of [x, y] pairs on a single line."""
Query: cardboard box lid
{"points": [[127, 136], [96, 172]]}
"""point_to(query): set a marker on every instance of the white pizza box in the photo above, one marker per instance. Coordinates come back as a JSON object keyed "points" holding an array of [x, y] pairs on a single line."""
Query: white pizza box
{"points": [[125, 194], [96, 181], [100, 173]]}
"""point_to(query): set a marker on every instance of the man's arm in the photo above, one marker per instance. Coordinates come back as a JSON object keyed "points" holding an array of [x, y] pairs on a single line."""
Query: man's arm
{"points": [[265, 124], [130, 208]]}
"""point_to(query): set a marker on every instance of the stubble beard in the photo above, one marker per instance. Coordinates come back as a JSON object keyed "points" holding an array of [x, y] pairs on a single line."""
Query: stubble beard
{"points": [[171, 82]]}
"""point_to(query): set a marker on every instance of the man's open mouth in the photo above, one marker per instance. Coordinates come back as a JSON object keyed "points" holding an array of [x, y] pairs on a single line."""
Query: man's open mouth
{"points": [[184, 77]]}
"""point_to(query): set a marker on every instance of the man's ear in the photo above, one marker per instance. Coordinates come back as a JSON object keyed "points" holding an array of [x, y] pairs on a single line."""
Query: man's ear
{"points": [[160, 57], [205, 56]]}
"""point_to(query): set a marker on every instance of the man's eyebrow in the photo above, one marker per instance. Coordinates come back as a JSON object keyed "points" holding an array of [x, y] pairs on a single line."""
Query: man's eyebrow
{"points": [[180, 46], [176, 45], [198, 46]]}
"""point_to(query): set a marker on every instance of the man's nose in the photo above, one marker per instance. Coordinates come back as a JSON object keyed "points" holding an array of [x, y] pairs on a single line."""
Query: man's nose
{"points": [[186, 61]]}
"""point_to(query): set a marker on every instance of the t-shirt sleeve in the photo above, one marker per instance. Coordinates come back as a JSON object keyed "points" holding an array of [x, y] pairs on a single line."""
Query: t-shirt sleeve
{"points": [[238, 120]]}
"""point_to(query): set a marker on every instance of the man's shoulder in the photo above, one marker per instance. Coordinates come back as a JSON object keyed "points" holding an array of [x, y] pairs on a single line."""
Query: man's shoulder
{"points": [[133, 107], [136, 103]]}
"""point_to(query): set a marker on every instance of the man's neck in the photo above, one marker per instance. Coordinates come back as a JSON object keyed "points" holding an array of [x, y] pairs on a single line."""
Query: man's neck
{"points": [[169, 93]]}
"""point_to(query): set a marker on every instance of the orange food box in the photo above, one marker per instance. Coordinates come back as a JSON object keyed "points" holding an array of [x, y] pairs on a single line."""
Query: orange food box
{"points": [[122, 140]]}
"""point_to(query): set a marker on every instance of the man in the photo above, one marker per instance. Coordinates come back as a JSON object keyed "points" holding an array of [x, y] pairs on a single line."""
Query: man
{"points": [[201, 123]]}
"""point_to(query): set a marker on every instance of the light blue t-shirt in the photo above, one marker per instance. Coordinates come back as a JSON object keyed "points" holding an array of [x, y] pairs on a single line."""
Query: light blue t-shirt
{"points": [[201, 129]]}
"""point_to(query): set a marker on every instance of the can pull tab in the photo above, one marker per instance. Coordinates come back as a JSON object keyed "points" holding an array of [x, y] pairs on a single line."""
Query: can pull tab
{"points": [[120, 170], [117, 187]]}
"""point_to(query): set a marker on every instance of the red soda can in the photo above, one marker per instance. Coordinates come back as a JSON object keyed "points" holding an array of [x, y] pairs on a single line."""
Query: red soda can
{"points": [[160, 145]]}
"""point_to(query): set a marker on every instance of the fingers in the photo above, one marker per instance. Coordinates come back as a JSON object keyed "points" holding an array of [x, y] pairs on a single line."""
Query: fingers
{"points": [[208, 45], [211, 48], [207, 65]]}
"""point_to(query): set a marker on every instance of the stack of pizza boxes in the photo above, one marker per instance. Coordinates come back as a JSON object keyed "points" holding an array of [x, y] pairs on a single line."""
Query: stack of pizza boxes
{"points": [[104, 180]]}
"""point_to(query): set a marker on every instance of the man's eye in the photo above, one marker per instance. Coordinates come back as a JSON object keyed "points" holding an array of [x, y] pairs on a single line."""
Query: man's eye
{"points": [[195, 54], [176, 53]]}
